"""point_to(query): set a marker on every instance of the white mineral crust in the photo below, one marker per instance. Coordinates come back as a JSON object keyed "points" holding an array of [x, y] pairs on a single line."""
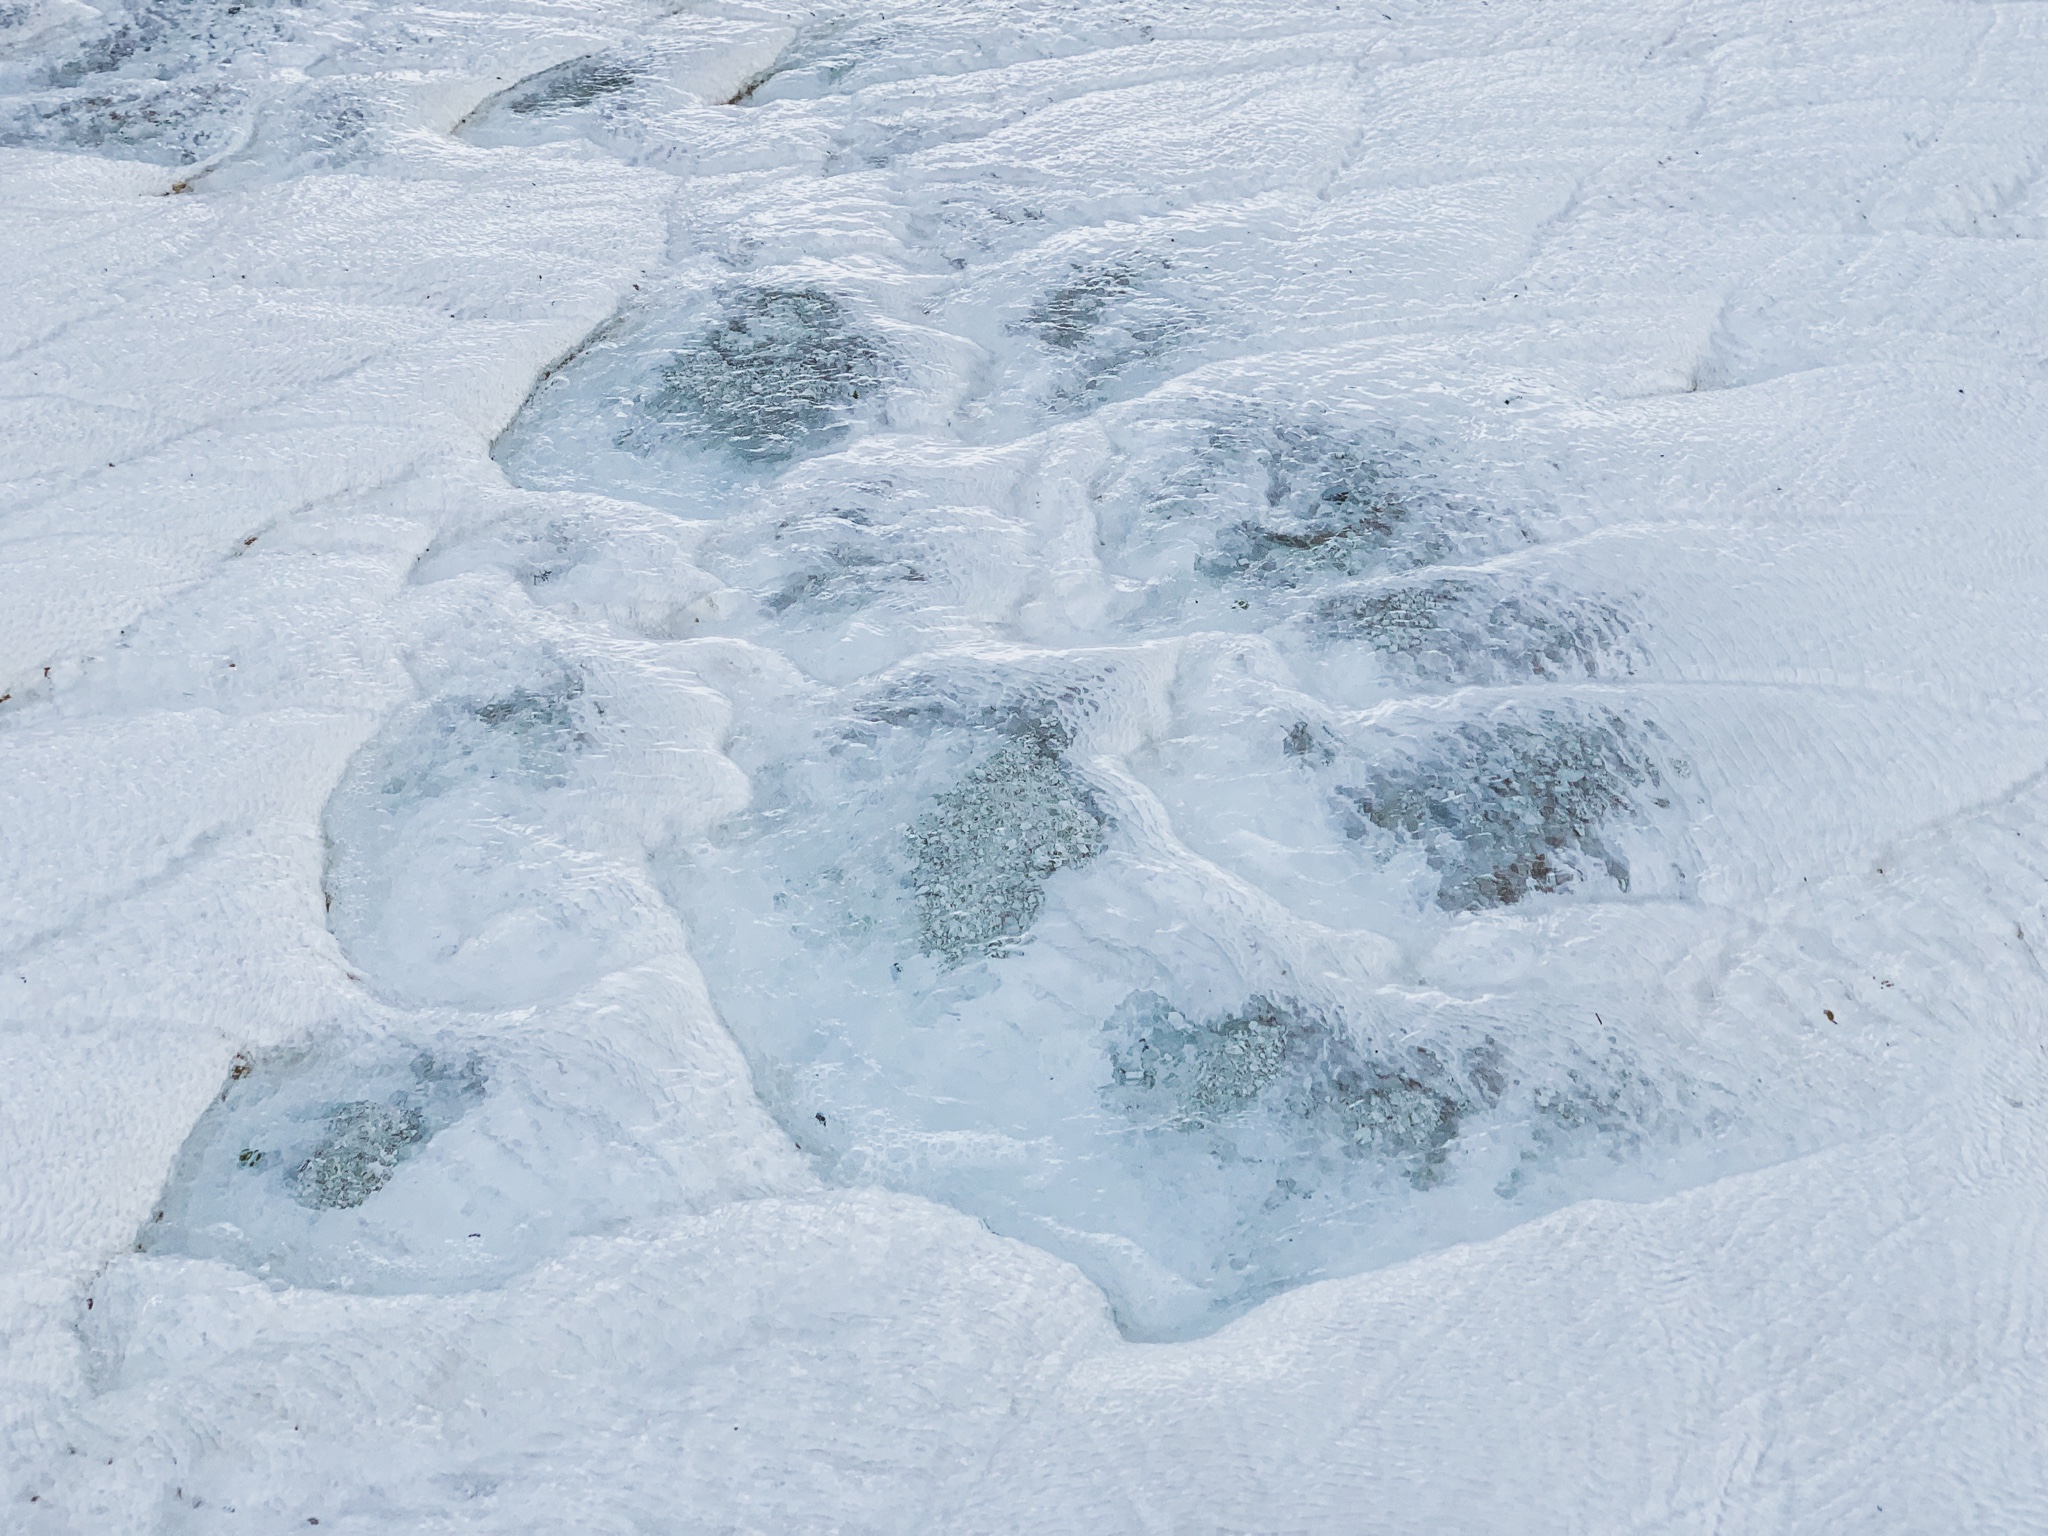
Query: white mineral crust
{"points": [[1023, 765]]}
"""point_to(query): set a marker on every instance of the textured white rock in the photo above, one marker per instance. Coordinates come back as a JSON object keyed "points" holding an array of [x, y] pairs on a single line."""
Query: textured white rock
{"points": [[1718, 335]]}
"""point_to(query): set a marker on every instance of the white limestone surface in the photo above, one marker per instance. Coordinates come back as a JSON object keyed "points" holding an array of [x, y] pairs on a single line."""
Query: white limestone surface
{"points": [[1023, 766]]}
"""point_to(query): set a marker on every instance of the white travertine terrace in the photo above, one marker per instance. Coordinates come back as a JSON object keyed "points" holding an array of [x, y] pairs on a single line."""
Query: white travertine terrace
{"points": [[1045, 766]]}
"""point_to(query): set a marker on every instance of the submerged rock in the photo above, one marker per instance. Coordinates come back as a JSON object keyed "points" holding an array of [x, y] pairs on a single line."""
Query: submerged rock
{"points": [[980, 858], [1108, 320], [1476, 628], [1505, 810], [779, 372], [568, 86], [1290, 1068], [360, 1152], [366, 1139]]}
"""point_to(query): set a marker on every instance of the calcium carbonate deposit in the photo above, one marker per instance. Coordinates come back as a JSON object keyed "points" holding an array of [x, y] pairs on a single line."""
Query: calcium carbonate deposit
{"points": [[1023, 765]]}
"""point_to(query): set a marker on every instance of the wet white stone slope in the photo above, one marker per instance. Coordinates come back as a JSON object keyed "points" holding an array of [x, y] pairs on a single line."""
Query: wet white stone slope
{"points": [[1029, 766]]}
